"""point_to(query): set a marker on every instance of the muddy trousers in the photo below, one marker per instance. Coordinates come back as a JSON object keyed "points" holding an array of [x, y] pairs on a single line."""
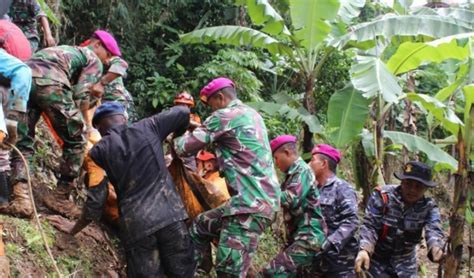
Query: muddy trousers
{"points": [[168, 251], [56, 101], [238, 239], [289, 260]]}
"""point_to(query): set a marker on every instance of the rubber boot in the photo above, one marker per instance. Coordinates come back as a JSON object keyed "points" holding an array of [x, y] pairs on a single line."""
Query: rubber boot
{"points": [[59, 202], [21, 205], [4, 190]]}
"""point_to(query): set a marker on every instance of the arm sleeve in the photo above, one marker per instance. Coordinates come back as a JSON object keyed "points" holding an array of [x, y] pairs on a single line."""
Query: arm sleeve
{"points": [[118, 66], [20, 76], [347, 210], [209, 132], [176, 120], [294, 192], [37, 10], [97, 191], [433, 231], [90, 74], [370, 229]]}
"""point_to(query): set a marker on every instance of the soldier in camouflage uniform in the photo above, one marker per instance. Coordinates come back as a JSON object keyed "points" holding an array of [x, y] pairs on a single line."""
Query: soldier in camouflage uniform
{"points": [[393, 225], [339, 205], [63, 78], [305, 225], [25, 14], [239, 136]]}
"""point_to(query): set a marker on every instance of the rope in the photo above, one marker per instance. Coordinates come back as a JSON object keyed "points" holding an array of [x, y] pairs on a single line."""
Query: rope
{"points": [[48, 250]]}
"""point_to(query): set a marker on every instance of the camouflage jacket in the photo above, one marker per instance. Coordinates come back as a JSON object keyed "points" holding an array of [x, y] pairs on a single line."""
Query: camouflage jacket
{"points": [[115, 90], [405, 226], [300, 202], [77, 68], [339, 205], [240, 138], [24, 13]]}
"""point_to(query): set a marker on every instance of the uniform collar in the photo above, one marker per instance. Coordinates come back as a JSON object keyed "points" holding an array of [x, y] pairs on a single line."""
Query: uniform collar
{"points": [[330, 181], [234, 102], [295, 166]]}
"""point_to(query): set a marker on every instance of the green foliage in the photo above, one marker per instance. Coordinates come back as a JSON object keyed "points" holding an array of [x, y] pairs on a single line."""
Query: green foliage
{"points": [[286, 106], [72, 266], [371, 76], [262, 13], [347, 113], [446, 116], [238, 65], [366, 35], [334, 77], [410, 55], [413, 143], [309, 20], [237, 36]]}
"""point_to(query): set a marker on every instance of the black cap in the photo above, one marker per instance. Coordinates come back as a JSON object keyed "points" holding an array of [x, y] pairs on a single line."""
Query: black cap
{"points": [[415, 170], [4, 6]]}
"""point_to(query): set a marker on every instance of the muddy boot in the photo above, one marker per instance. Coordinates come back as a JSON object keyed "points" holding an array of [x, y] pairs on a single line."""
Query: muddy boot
{"points": [[59, 202], [21, 205]]}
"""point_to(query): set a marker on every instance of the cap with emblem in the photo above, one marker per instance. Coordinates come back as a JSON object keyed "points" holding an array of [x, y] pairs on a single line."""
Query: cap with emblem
{"points": [[415, 170]]}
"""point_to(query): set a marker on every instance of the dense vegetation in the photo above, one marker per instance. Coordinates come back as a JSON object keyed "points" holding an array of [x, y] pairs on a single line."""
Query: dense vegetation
{"points": [[383, 83]]}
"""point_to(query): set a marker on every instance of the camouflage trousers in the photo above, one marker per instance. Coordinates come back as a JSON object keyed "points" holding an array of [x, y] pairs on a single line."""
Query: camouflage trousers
{"points": [[56, 102], [238, 239], [287, 262]]}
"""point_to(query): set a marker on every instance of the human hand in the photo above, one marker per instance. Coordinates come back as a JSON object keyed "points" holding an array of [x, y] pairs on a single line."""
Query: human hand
{"points": [[97, 90], [49, 41], [437, 254], [362, 261]]}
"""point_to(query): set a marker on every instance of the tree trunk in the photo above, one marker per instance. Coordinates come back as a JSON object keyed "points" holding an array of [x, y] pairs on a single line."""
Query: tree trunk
{"points": [[362, 169], [390, 162], [308, 103], [457, 218]]}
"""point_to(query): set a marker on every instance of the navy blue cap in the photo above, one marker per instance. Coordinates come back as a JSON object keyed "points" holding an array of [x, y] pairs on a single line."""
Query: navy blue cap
{"points": [[415, 170], [106, 110]]}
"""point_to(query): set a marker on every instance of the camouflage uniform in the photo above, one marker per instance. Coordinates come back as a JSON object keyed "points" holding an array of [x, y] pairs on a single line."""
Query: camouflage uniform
{"points": [[116, 91], [62, 76], [339, 206], [25, 14], [304, 221], [395, 255], [244, 157]]}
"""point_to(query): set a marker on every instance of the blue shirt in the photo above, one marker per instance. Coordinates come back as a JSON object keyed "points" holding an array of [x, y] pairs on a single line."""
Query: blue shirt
{"points": [[20, 77]]}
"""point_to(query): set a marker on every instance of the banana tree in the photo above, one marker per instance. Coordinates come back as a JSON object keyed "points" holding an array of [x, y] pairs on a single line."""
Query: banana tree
{"points": [[303, 43], [317, 28], [379, 83]]}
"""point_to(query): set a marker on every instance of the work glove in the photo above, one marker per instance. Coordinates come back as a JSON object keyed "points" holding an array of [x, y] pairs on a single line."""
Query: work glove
{"points": [[436, 254], [362, 261]]}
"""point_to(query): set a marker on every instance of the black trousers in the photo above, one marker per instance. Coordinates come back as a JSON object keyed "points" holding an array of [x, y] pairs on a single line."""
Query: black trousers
{"points": [[169, 251]]}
